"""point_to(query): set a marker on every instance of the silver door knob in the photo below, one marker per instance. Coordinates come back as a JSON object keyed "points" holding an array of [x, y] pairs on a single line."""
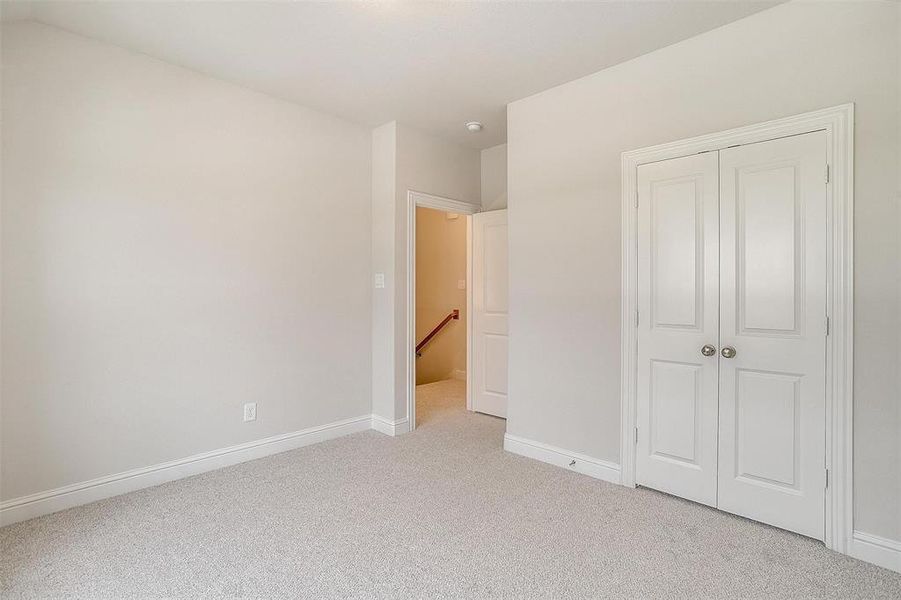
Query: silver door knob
{"points": [[728, 352], [708, 350]]}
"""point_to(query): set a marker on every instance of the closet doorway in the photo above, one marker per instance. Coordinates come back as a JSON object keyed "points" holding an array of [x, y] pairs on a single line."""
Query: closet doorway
{"points": [[737, 350]]}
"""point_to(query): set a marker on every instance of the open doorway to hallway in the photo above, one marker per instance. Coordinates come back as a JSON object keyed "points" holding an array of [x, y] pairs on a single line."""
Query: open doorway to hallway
{"points": [[441, 312], [459, 309]]}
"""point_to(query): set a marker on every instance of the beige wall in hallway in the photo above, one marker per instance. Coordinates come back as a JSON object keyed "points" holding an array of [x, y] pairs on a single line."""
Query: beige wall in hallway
{"points": [[440, 266]]}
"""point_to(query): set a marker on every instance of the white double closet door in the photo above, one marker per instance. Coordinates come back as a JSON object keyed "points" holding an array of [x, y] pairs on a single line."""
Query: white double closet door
{"points": [[732, 330]]}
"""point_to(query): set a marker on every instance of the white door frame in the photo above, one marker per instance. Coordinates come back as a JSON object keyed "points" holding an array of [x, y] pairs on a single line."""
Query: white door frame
{"points": [[415, 199], [838, 123]]}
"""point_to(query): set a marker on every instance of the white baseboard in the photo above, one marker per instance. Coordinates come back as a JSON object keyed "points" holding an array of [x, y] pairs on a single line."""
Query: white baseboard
{"points": [[877, 550], [389, 427], [864, 546], [44, 503], [573, 461]]}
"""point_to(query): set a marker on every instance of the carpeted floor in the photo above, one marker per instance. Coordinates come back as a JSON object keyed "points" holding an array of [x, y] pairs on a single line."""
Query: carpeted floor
{"points": [[442, 512]]}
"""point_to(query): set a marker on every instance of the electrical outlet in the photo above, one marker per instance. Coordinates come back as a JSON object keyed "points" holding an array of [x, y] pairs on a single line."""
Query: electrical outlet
{"points": [[461, 284], [379, 281], [250, 411]]}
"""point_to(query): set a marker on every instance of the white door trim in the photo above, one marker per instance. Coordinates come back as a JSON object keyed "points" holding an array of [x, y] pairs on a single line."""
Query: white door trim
{"points": [[838, 123], [468, 314], [424, 200]]}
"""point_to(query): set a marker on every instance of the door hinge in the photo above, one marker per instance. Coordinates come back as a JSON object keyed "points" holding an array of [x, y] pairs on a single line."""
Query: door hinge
{"points": [[827, 478], [636, 435], [827, 173], [637, 318], [636, 199], [828, 326]]}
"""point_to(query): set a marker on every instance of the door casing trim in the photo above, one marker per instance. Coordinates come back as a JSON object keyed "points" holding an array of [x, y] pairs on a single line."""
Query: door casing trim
{"points": [[838, 123], [414, 200]]}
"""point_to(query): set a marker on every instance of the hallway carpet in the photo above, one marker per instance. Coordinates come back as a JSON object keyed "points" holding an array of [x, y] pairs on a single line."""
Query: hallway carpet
{"points": [[443, 512]]}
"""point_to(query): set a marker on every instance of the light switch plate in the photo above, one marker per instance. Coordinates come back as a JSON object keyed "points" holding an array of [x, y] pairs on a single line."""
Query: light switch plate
{"points": [[250, 411]]}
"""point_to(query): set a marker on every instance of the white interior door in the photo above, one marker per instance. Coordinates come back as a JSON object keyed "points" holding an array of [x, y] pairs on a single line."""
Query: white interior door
{"points": [[489, 312], [678, 287], [773, 314]]}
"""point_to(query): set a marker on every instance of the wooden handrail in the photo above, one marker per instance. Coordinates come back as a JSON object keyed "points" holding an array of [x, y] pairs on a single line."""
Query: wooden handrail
{"points": [[454, 315]]}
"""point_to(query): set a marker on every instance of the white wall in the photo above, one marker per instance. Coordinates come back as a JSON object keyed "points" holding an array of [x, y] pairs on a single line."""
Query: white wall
{"points": [[898, 263], [422, 163], [564, 150], [494, 177], [173, 246], [384, 247]]}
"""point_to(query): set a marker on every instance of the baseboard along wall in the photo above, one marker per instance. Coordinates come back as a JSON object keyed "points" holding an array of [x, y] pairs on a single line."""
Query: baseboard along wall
{"points": [[877, 550], [864, 546], [50, 501], [573, 461], [389, 427]]}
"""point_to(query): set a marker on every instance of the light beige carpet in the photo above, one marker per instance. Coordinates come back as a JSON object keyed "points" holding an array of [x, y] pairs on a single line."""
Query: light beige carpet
{"points": [[442, 512]]}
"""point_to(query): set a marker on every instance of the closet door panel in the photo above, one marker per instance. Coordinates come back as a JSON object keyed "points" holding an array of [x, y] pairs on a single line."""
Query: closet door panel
{"points": [[773, 314], [678, 289]]}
